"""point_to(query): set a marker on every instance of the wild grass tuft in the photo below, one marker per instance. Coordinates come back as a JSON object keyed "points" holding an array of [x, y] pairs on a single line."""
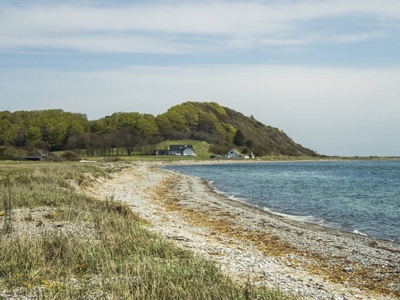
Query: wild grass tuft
{"points": [[8, 196], [81, 247]]}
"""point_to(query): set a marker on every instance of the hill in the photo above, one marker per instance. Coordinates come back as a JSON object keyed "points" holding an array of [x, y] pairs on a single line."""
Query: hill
{"points": [[133, 132], [226, 128]]}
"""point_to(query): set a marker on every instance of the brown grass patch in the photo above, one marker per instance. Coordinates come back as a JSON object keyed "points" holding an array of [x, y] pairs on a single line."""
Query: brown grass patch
{"points": [[222, 226]]}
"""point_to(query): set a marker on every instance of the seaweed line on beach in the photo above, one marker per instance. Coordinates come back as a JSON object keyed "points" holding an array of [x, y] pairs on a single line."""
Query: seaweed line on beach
{"points": [[307, 260], [376, 278]]}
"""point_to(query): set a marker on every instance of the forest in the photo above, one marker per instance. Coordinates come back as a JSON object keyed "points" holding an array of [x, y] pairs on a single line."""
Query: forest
{"points": [[128, 133]]}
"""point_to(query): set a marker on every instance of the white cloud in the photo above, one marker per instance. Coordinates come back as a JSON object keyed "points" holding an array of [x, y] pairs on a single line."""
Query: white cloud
{"points": [[356, 38], [172, 27], [322, 108], [99, 43]]}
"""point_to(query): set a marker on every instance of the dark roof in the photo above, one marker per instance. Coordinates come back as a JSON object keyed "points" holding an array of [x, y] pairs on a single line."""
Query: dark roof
{"points": [[39, 155], [179, 147]]}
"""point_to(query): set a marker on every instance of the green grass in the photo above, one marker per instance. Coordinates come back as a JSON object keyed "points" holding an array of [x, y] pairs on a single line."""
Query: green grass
{"points": [[110, 253], [200, 147]]}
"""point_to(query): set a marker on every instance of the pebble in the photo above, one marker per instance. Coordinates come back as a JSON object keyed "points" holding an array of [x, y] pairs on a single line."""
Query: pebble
{"points": [[240, 259]]}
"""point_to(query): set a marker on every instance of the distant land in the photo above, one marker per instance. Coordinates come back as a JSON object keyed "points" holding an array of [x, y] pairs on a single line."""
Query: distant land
{"points": [[137, 133]]}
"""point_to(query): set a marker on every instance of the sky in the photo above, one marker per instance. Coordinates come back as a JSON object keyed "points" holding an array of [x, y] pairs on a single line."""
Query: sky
{"points": [[326, 72]]}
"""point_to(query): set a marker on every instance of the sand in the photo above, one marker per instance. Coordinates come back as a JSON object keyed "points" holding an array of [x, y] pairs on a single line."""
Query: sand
{"points": [[247, 243]]}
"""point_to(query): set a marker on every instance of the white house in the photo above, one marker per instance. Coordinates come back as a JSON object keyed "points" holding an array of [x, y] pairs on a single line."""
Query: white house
{"points": [[184, 150]]}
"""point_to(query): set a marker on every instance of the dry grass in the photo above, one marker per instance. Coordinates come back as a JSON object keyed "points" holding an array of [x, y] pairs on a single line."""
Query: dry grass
{"points": [[106, 251], [225, 229]]}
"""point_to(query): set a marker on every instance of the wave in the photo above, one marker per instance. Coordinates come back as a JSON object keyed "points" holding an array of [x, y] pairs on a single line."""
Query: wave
{"points": [[299, 218], [360, 233], [334, 195]]}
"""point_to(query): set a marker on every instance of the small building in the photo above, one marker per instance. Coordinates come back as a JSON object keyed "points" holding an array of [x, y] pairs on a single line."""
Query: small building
{"points": [[162, 152], [235, 154], [39, 155], [184, 150]]}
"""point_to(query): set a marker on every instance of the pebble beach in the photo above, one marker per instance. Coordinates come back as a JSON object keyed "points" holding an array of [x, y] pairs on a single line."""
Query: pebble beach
{"points": [[249, 244]]}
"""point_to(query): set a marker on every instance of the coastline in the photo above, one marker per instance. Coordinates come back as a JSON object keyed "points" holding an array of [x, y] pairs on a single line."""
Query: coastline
{"points": [[308, 260]]}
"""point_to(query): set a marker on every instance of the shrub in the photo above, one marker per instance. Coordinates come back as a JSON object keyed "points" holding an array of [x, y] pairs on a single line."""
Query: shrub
{"points": [[220, 149], [72, 156]]}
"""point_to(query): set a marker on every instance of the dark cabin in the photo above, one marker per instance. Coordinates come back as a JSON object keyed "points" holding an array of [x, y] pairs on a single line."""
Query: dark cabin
{"points": [[39, 155]]}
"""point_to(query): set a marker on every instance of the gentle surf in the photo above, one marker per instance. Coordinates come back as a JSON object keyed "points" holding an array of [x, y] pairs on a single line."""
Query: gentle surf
{"points": [[357, 196]]}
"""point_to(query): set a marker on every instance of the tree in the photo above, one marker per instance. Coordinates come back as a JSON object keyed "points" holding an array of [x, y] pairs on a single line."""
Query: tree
{"points": [[97, 126], [43, 146], [57, 134], [19, 137], [206, 123], [249, 144], [109, 143], [130, 138], [71, 156], [33, 135], [147, 126], [239, 138], [7, 131], [220, 149], [88, 141]]}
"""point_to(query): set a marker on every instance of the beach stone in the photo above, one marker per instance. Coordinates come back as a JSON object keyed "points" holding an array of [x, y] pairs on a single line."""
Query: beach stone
{"points": [[310, 249], [347, 270]]}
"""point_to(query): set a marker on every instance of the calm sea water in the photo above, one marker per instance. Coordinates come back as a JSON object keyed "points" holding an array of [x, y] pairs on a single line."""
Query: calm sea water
{"points": [[362, 196]]}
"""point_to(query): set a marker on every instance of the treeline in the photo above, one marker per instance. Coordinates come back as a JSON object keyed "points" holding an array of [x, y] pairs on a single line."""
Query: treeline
{"points": [[53, 130], [126, 133], [48, 128]]}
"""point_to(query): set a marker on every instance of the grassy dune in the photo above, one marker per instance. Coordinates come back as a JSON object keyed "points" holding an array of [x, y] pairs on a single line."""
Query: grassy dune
{"points": [[56, 243]]}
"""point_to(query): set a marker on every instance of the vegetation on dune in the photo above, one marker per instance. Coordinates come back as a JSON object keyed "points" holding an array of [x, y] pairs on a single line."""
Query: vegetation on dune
{"points": [[126, 133], [59, 244]]}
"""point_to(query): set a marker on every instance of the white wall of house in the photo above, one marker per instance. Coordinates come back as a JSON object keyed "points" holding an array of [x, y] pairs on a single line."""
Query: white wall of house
{"points": [[233, 154], [188, 152]]}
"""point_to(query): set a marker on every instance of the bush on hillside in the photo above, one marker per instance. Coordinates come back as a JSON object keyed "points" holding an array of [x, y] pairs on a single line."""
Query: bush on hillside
{"points": [[220, 149]]}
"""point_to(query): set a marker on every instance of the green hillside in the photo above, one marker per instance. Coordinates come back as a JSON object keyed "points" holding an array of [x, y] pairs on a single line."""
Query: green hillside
{"points": [[225, 128], [133, 133]]}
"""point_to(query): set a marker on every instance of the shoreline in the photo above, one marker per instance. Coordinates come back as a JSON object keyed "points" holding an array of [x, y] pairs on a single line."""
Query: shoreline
{"points": [[289, 217], [305, 259], [292, 218]]}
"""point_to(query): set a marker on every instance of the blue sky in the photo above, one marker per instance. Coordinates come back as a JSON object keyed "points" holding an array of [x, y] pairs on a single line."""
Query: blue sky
{"points": [[325, 72]]}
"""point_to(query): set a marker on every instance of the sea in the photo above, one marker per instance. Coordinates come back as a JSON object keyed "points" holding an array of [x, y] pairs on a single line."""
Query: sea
{"points": [[362, 197]]}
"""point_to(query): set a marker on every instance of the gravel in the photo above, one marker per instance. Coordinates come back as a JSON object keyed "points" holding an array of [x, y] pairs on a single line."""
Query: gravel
{"points": [[306, 260], [302, 259]]}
